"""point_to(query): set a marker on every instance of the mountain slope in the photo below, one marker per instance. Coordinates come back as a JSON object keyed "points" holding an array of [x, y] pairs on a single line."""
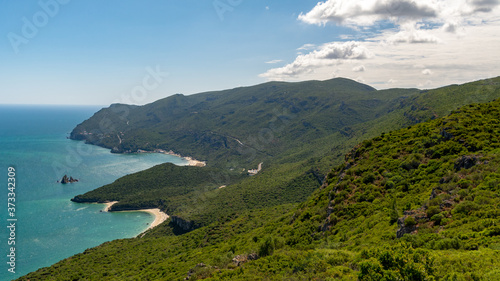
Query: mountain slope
{"points": [[298, 162], [420, 203], [239, 124]]}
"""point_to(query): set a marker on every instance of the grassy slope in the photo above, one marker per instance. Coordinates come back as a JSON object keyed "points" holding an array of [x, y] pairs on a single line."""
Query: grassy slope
{"points": [[346, 230]]}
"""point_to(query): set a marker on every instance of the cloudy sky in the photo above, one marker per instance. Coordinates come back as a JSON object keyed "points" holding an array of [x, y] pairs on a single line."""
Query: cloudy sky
{"points": [[101, 52]]}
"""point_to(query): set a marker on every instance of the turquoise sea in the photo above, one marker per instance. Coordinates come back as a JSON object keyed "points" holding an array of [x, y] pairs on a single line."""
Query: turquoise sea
{"points": [[49, 227]]}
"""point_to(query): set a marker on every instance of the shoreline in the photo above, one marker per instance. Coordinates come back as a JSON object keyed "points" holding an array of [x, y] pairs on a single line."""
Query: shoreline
{"points": [[191, 160], [108, 205], [159, 216]]}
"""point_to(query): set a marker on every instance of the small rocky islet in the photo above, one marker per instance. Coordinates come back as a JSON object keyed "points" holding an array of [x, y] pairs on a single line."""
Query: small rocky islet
{"points": [[65, 179]]}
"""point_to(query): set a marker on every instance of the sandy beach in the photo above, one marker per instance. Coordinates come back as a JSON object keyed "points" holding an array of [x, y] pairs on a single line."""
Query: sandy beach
{"points": [[191, 161], [108, 205], [194, 162], [157, 213], [159, 217]]}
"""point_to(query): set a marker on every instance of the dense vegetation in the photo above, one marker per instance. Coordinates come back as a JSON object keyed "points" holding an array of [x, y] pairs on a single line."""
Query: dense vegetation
{"points": [[241, 124], [296, 167], [420, 203], [273, 122], [199, 195]]}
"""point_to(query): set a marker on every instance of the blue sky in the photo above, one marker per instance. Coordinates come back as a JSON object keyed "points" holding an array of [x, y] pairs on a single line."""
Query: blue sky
{"points": [[101, 52]]}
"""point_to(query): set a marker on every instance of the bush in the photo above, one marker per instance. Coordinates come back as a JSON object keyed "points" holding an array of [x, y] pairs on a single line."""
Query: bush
{"points": [[437, 218], [471, 246], [267, 247], [410, 221], [434, 210], [399, 263], [369, 178], [493, 231], [465, 208], [389, 185], [447, 243], [410, 164]]}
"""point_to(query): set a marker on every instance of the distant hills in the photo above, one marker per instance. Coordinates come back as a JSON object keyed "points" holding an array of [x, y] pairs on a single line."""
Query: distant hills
{"points": [[418, 203], [299, 130], [243, 124], [271, 121]]}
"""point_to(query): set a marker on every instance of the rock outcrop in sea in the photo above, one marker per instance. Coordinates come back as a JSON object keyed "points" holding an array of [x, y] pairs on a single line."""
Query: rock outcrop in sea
{"points": [[66, 180]]}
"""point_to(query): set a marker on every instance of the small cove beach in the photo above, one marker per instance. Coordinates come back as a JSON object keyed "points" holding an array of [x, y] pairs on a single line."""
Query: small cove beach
{"points": [[157, 213]]}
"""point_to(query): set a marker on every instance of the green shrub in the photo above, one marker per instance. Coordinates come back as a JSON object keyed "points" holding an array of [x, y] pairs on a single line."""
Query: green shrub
{"points": [[369, 178], [433, 210], [399, 263], [492, 231], [463, 193], [389, 185], [463, 183], [267, 247], [410, 164], [437, 218], [447, 243], [465, 208], [410, 221], [471, 246]]}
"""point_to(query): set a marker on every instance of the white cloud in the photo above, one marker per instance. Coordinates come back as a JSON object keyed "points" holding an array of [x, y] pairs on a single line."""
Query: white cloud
{"points": [[344, 51], [456, 41], [307, 47], [327, 55], [409, 33], [426, 71], [274, 61], [359, 68], [451, 27], [360, 14], [484, 6], [367, 12]]}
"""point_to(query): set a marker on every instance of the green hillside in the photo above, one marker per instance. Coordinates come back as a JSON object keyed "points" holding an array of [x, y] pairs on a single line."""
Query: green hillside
{"points": [[295, 164], [275, 122], [420, 203], [244, 125]]}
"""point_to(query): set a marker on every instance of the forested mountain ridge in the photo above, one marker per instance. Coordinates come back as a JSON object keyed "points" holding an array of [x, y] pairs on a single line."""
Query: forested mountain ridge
{"points": [[262, 120], [420, 203], [298, 163]]}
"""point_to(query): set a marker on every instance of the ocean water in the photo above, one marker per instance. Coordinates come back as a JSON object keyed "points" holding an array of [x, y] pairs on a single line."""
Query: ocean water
{"points": [[49, 227]]}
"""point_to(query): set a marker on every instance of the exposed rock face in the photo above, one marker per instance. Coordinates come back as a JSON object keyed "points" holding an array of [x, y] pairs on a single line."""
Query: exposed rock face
{"points": [[403, 229], [183, 224], [446, 135], [466, 162], [193, 270], [66, 180], [241, 259], [433, 194]]}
